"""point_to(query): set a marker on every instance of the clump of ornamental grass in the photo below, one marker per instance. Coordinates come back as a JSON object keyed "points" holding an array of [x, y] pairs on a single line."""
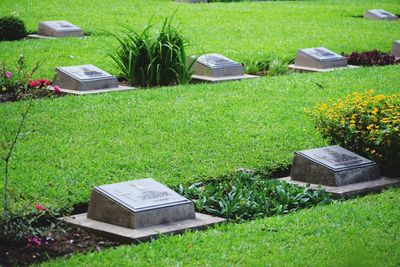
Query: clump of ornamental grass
{"points": [[366, 123], [145, 60]]}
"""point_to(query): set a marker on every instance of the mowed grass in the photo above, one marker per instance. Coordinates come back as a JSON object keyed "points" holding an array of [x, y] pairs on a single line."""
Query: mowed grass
{"points": [[243, 31], [362, 232], [175, 134]]}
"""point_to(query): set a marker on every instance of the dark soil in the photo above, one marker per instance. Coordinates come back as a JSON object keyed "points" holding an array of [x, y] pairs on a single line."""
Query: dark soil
{"points": [[56, 244]]}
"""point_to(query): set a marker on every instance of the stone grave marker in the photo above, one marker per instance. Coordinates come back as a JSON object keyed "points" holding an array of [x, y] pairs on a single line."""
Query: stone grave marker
{"points": [[59, 29], [318, 59], [396, 49], [139, 210], [338, 170], [215, 68], [85, 79], [138, 203], [380, 14]]}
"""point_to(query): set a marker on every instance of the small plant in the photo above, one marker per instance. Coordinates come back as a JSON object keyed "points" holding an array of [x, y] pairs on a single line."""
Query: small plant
{"points": [[366, 123], [12, 28], [245, 196], [145, 60], [371, 58], [16, 82], [270, 67]]}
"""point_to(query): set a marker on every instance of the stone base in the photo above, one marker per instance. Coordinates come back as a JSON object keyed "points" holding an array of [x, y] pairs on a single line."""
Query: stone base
{"points": [[128, 235], [37, 36], [222, 79], [351, 190], [97, 91], [308, 69]]}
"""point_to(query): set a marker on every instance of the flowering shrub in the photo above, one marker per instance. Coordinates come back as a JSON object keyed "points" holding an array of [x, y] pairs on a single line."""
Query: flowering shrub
{"points": [[366, 123], [16, 83], [371, 58]]}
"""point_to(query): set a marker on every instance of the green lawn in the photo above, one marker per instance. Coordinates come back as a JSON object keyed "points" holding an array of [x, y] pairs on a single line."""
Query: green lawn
{"points": [[176, 134], [362, 232], [188, 133], [243, 31]]}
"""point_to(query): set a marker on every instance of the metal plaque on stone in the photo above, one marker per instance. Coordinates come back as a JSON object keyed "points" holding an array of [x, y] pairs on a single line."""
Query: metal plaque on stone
{"points": [[332, 166], [319, 58], [138, 204], [396, 49], [59, 29], [84, 77], [216, 65], [380, 14]]}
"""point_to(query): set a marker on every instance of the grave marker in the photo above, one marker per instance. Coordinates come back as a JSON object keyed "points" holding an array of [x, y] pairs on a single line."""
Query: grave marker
{"points": [[215, 68], [338, 171], [396, 49], [139, 210], [137, 204], [318, 59], [59, 29], [84, 78], [380, 14]]}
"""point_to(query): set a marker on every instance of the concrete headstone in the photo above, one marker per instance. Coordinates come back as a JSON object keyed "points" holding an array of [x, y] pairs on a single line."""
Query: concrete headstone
{"points": [[137, 204], [319, 58], [396, 49], [380, 14], [332, 166], [59, 29], [84, 78], [216, 65]]}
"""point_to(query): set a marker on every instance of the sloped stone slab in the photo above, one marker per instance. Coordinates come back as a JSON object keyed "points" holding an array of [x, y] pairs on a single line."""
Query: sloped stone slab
{"points": [[97, 91], [222, 79], [351, 190], [128, 235], [308, 69]]}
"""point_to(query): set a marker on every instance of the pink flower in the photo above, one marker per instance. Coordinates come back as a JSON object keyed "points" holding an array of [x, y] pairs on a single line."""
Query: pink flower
{"points": [[8, 74], [57, 89], [33, 84], [40, 207], [33, 241]]}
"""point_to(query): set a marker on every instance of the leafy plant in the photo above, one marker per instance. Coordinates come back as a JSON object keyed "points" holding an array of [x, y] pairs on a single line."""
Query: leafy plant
{"points": [[366, 123], [270, 67], [371, 58], [16, 83], [12, 28], [146, 60], [246, 196]]}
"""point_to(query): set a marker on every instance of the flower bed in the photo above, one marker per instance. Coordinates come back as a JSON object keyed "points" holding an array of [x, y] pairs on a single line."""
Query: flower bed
{"points": [[366, 123]]}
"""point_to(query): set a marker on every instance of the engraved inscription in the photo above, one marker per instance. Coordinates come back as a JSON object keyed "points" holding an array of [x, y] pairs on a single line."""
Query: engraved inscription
{"points": [[335, 157], [338, 159], [142, 194]]}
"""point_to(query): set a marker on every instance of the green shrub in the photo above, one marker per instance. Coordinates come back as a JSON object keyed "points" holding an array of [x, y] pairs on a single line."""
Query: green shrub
{"points": [[245, 196], [148, 61], [365, 123], [12, 28]]}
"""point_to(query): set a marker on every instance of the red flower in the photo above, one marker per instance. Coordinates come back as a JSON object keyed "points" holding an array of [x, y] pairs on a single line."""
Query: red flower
{"points": [[44, 82], [57, 89], [33, 84], [40, 207]]}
